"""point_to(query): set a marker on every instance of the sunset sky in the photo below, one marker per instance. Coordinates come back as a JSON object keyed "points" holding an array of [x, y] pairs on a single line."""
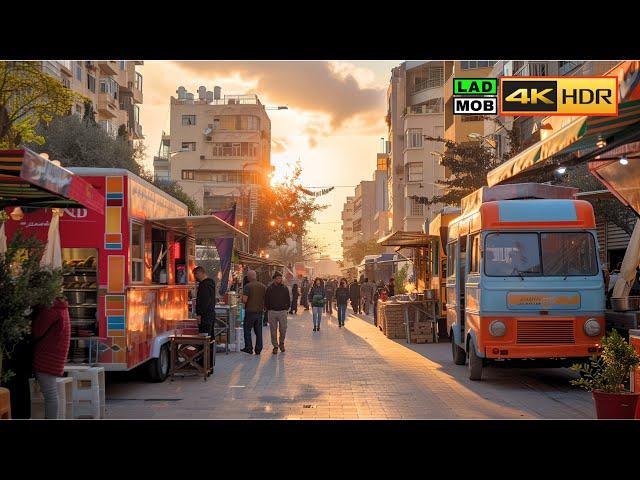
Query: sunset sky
{"points": [[333, 125]]}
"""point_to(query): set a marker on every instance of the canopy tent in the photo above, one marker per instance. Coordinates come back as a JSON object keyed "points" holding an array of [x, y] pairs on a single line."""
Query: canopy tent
{"points": [[584, 137], [405, 239], [201, 227], [30, 180], [255, 261]]}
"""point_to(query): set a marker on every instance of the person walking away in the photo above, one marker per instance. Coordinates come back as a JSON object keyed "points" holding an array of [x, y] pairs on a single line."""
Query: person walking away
{"points": [[253, 296], [391, 287], [277, 302], [330, 291], [317, 297], [354, 296], [366, 292], [295, 294], [51, 330], [376, 297], [342, 297], [305, 293]]}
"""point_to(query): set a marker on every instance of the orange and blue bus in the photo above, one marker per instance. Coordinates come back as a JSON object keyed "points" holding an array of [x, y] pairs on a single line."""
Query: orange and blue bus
{"points": [[524, 278]]}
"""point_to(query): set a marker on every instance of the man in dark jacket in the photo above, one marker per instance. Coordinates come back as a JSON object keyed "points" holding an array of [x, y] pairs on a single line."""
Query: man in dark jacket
{"points": [[354, 295], [277, 302], [205, 301]]}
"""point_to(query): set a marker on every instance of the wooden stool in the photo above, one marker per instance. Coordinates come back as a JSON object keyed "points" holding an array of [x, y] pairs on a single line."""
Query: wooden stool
{"points": [[195, 350], [5, 404]]}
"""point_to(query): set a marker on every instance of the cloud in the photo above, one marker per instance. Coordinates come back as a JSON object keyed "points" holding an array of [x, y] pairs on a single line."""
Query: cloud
{"points": [[316, 86]]}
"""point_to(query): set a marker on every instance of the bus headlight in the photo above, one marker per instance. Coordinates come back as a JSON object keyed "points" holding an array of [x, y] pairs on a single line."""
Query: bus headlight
{"points": [[591, 327], [497, 328]]}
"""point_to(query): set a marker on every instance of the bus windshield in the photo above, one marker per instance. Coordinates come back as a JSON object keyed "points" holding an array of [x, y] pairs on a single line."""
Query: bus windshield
{"points": [[518, 254]]}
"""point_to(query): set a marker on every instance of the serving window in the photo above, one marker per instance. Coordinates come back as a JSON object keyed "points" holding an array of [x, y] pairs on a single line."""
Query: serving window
{"points": [[137, 253]]}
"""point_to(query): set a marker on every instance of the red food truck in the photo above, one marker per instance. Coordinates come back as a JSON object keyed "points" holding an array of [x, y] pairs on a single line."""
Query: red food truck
{"points": [[127, 272]]}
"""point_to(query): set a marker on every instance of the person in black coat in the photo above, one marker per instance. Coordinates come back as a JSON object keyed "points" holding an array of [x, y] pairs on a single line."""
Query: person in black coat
{"points": [[354, 296], [205, 301], [295, 294]]}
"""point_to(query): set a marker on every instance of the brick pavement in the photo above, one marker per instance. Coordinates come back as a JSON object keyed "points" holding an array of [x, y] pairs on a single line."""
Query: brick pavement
{"points": [[349, 373]]}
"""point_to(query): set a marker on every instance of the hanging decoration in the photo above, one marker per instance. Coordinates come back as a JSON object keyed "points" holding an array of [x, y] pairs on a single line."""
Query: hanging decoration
{"points": [[319, 193]]}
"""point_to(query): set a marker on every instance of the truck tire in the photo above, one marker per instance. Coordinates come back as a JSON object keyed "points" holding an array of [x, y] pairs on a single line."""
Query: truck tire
{"points": [[159, 367], [458, 353], [475, 362]]}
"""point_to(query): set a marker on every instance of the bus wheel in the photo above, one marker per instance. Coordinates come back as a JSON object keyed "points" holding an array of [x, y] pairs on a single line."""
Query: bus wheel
{"points": [[459, 355], [475, 362], [159, 367]]}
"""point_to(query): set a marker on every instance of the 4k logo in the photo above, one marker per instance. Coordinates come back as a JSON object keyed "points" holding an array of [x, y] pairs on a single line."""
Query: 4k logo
{"points": [[588, 96]]}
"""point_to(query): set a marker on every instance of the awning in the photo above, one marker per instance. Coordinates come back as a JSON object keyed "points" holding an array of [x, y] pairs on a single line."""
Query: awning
{"points": [[30, 180], [201, 227], [405, 239], [253, 260], [577, 142], [621, 180]]}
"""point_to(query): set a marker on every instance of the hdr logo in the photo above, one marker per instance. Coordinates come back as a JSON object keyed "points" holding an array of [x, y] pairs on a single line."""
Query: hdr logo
{"points": [[584, 96]]}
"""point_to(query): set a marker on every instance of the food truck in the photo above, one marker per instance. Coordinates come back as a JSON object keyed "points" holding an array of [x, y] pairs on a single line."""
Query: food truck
{"points": [[524, 277], [128, 270]]}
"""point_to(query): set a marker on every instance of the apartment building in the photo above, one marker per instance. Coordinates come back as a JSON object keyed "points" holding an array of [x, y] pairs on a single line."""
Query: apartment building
{"points": [[415, 109], [364, 205], [347, 227], [161, 169], [113, 87], [382, 214], [219, 148]]}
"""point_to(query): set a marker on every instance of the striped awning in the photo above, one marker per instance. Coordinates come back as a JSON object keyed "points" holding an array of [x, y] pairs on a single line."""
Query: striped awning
{"points": [[30, 180]]}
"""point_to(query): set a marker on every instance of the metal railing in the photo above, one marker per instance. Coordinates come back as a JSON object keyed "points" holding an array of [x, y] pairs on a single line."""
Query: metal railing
{"points": [[532, 69], [594, 68], [426, 84]]}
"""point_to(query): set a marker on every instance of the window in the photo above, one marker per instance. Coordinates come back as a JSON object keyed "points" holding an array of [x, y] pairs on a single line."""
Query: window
{"points": [[108, 85], [79, 71], [188, 146], [188, 120], [236, 150], [78, 110], [136, 115], [414, 138], [512, 254], [451, 258], [417, 208], [91, 82], [137, 252], [415, 172], [123, 65], [138, 81], [471, 64], [568, 253], [474, 260], [472, 118], [187, 174]]}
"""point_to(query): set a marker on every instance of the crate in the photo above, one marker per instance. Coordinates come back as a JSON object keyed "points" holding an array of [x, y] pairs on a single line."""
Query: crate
{"points": [[89, 393]]}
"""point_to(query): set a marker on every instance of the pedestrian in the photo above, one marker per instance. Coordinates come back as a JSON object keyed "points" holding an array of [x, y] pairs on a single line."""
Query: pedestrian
{"points": [[295, 294], [317, 297], [253, 295], [378, 292], [51, 332], [342, 296], [205, 301], [304, 291], [366, 292], [277, 302], [391, 287], [330, 289], [354, 295]]}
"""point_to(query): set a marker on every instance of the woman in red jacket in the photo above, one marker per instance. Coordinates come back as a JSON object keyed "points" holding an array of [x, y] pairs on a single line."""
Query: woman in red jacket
{"points": [[51, 331]]}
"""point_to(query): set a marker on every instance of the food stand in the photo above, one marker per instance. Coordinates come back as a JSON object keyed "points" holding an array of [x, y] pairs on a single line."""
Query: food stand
{"points": [[127, 268]]}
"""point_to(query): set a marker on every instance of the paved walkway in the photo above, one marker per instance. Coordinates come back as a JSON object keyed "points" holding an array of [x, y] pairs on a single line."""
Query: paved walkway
{"points": [[349, 373]]}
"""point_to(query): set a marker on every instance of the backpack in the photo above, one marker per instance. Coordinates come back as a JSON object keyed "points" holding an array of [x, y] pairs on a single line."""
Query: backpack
{"points": [[317, 301]]}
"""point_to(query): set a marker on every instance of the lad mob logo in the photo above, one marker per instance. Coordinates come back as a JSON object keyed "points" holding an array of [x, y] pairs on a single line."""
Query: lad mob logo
{"points": [[585, 96], [475, 96]]}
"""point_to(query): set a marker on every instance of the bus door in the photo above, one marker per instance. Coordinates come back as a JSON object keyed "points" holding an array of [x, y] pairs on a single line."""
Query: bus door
{"points": [[453, 292]]}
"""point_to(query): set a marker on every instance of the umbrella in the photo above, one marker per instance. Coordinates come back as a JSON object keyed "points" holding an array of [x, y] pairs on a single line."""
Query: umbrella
{"points": [[52, 256]]}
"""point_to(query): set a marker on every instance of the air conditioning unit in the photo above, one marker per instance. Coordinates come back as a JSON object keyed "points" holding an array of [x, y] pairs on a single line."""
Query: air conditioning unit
{"points": [[201, 157]]}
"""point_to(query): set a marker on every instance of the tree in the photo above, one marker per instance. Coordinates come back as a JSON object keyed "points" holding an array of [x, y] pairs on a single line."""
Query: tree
{"points": [[289, 253], [29, 97], [282, 204], [468, 164], [360, 249]]}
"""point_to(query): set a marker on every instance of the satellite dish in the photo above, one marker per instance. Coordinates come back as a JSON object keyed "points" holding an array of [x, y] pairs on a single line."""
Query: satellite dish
{"points": [[208, 130]]}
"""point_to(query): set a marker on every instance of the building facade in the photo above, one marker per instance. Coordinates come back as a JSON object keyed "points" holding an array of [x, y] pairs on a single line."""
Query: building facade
{"points": [[219, 149], [347, 228], [113, 87], [415, 110], [382, 214], [364, 204]]}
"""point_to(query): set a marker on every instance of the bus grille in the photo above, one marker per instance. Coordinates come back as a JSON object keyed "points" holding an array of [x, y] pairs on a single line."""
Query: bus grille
{"points": [[545, 332]]}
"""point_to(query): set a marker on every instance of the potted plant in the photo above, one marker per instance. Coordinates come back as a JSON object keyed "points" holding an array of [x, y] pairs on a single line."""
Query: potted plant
{"points": [[604, 376]]}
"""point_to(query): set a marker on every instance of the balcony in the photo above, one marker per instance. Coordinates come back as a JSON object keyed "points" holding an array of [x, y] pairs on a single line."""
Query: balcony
{"points": [[136, 90], [107, 105], [108, 67], [136, 132], [594, 68], [532, 69]]}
